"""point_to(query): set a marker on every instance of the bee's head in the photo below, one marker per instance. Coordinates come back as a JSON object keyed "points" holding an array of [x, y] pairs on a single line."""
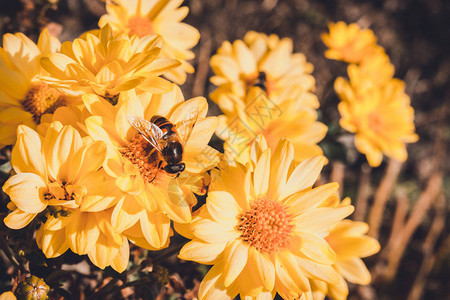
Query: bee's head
{"points": [[174, 169]]}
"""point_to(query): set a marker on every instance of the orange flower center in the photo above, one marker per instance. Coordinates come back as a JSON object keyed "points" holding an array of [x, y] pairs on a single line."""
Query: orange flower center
{"points": [[266, 225], [375, 122], [140, 26], [141, 154], [59, 210], [42, 99]]}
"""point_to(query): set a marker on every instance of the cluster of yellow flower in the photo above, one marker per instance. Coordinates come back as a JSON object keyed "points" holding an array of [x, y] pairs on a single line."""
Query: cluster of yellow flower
{"points": [[373, 105], [108, 152]]}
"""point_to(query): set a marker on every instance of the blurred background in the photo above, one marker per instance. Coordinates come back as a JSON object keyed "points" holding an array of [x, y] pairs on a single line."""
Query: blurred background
{"points": [[412, 198]]}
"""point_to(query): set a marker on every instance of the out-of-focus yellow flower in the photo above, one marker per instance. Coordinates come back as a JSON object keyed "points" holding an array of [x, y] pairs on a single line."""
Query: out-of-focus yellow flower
{"points": [[374, 70], [7, 296], [106, 64], [157, 17], [262, 116], [349, 43], [264, 61], [262, 228], [23, 97], [59, 176], [349, 241], [380, 116], [134, 162]]}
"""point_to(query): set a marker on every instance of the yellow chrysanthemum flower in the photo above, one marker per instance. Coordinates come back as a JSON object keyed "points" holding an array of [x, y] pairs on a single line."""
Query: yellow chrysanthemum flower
{"points": [[264, 61], [106, 64], [24, 98], [349, 241], [135, 164], [157, 17], [262, 116], [262, 228], [381, 118], [349, 43], [59, 178]]}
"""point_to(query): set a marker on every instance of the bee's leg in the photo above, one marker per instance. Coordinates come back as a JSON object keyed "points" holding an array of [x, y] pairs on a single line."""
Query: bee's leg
{"points": [[178, 175], [157, 170]]}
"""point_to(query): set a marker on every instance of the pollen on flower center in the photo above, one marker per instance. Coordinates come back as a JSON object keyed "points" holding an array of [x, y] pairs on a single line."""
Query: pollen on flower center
{"points": [[140, 25], [59, 193], [266, 225], [141, 154], [42, 99]]}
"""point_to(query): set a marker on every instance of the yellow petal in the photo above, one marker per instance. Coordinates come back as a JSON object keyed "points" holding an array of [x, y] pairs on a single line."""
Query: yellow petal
{"points": [[261, 174], [361, 246], [120, 262], [303, 176], [264, 268], [155, 85], [235, 258], [18, 219], [279, 167], [171, 201], [231, 181], [27, 190], [97, 106], [60, 145], [225, 66], [244, 57], [202, 132], [87, 159], [212, 287], [8, 296], [52, 243], [47, 43], [182, 110], [201, 252], [317, 249], [155, 228], [223, 208], [213, 232], [103, 253], [354, 270], [300, 202], [102, 193], [322, 272], [289, 275], [200, 159], [82, 232], [23, 158], [321, 219], [126, 213]]}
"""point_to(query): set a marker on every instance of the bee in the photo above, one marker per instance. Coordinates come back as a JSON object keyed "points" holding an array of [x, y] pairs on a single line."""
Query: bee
{"points": [[261, 81], [166, 138]]}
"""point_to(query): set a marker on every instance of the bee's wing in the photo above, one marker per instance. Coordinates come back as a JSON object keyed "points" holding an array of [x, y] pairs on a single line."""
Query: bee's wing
{"points": [[185, 126], [149, 131]]}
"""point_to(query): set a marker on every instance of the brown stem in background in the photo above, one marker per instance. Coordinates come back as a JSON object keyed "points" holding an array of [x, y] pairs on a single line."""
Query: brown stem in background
{"points": [[397, 248], [362, 198], [382, 195], [401, 211], [204, 54], [337, 175], [430, 257]]}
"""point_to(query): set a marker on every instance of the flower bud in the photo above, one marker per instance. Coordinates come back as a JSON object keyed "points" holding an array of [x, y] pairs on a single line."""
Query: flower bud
{"points": [[32, 288]]}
